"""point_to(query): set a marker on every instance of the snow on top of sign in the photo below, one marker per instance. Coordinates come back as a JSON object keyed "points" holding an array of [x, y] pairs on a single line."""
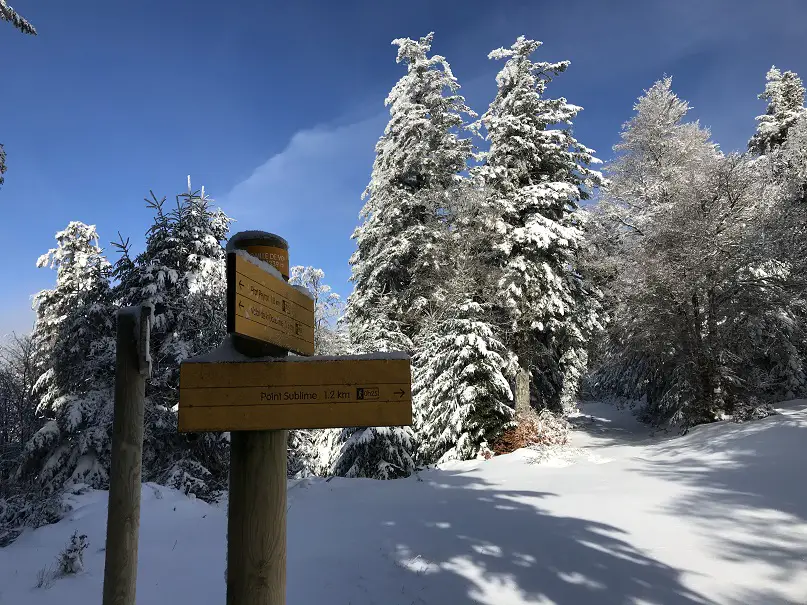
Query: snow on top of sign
{"points": [[259, 263], [227, 353], [304, 290], [255, 234]]}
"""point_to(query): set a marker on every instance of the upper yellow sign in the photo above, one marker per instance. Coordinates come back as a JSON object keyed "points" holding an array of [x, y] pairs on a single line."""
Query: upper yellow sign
{"points": [[267, 308], [277, 257]]}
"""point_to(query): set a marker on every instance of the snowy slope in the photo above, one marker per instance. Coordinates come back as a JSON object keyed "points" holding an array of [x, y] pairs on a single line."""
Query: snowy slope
{"points": [[717, 516]]}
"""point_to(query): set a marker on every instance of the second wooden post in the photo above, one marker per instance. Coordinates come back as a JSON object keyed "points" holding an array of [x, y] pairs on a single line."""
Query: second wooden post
{"points": [[256, 518]]}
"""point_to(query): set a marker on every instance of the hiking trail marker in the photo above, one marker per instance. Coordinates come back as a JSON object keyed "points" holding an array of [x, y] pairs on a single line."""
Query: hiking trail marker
{"points": [[251, 387], [262, 306]]}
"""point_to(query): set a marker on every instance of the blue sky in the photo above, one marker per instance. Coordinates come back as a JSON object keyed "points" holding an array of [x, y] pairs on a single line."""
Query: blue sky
{"points": [[275, 107]]}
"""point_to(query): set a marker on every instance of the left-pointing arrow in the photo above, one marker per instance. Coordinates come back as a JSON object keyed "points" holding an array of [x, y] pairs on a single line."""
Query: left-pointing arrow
{"points": [[240, 283], [240, 305]]}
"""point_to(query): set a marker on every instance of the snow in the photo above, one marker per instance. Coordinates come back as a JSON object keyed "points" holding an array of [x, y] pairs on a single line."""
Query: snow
{"points": [[718, 516], [263, 265], [226, 353]]}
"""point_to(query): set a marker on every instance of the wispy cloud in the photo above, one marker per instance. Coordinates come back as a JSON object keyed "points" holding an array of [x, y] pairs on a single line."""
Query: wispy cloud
{"points": [[310, 193]]}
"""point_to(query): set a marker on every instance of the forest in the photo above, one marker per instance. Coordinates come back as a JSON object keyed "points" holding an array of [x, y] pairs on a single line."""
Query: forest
{"points": [[495, 249]]}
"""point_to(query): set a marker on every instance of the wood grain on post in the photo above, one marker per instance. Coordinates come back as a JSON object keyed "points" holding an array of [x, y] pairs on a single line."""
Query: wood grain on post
{"points": [[256, 516], [123, 517], [256, 523]]}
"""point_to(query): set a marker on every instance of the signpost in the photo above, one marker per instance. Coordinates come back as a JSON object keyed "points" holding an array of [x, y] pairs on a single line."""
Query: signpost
{"points": [[295, 393], [264, 307], [251, 387]]}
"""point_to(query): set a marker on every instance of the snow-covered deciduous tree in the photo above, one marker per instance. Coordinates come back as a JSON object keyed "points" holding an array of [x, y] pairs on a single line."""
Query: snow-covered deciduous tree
{"points": [[18, 419], [421, 151], [74, 340], [537, 173], [784, 92], [702, 315], [329, 334], [309, 451]]}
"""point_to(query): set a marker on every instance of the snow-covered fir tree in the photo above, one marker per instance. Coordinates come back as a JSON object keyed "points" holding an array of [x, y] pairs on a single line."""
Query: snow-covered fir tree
{"points": [[74, 338], [784, 92], [537, 173], [394, 268], [463, 395], [181, 272]]}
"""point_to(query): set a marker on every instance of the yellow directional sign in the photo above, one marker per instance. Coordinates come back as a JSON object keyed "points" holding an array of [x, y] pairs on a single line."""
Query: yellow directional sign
{"points": [[295, 393], [266, 308]]}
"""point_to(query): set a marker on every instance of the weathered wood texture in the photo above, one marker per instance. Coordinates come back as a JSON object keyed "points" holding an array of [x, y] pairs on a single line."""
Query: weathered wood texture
{"points": [[295, 394], [123, 518], [256, 521], [267, 308]]}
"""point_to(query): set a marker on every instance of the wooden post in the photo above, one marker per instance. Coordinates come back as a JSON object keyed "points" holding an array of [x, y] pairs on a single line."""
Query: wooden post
{"points": [[132, 366], [256, 516]]}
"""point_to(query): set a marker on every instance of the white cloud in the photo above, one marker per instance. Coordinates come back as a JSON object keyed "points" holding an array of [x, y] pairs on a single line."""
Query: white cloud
{"points": [[310, 193], [322, 171]]}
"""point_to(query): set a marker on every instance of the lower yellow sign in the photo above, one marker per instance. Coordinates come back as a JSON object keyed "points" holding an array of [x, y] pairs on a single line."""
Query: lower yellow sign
{"points": [[295, 393]]}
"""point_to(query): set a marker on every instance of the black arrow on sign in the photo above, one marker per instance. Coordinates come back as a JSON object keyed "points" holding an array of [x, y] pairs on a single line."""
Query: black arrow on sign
{"points": [[240, 305], [399, 393], [240, 283]]}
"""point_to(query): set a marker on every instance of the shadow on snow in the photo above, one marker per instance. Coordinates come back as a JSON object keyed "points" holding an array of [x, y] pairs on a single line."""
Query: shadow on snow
{"points": [[453, 539]]}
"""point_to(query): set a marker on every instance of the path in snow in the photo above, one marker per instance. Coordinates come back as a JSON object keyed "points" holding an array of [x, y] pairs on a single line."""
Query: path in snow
{"points": [[718, 516]]}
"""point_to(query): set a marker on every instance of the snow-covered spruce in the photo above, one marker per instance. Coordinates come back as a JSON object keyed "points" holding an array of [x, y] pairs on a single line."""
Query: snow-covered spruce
{"points": [[393, 268], [462, 395], [73, 335], [395, 265], [537, 172], [182, 273], [784, 92]]}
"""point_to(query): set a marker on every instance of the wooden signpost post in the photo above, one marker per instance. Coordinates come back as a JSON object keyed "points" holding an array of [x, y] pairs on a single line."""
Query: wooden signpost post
{"points": [[252, 388]]}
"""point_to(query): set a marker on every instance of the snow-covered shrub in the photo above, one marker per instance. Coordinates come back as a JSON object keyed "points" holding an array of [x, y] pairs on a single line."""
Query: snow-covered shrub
{"points": [[27, 508], [752, 409], [71, 559], [533, 429], [45, 577]]}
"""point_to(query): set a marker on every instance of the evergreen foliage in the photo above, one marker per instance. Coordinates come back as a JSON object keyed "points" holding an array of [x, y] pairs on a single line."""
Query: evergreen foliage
{"points": [[7, 13], [74, 339], [537, 173], [396, 263], [784, 92]]}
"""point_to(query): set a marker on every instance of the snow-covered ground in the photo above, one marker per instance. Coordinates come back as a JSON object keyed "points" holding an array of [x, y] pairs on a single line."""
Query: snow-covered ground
{"points": [[621, 517]]}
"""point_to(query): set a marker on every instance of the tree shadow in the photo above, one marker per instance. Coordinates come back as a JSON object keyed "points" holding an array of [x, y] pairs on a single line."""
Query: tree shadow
{"points": [[617, 426], [746, 496], [453, 538]]}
